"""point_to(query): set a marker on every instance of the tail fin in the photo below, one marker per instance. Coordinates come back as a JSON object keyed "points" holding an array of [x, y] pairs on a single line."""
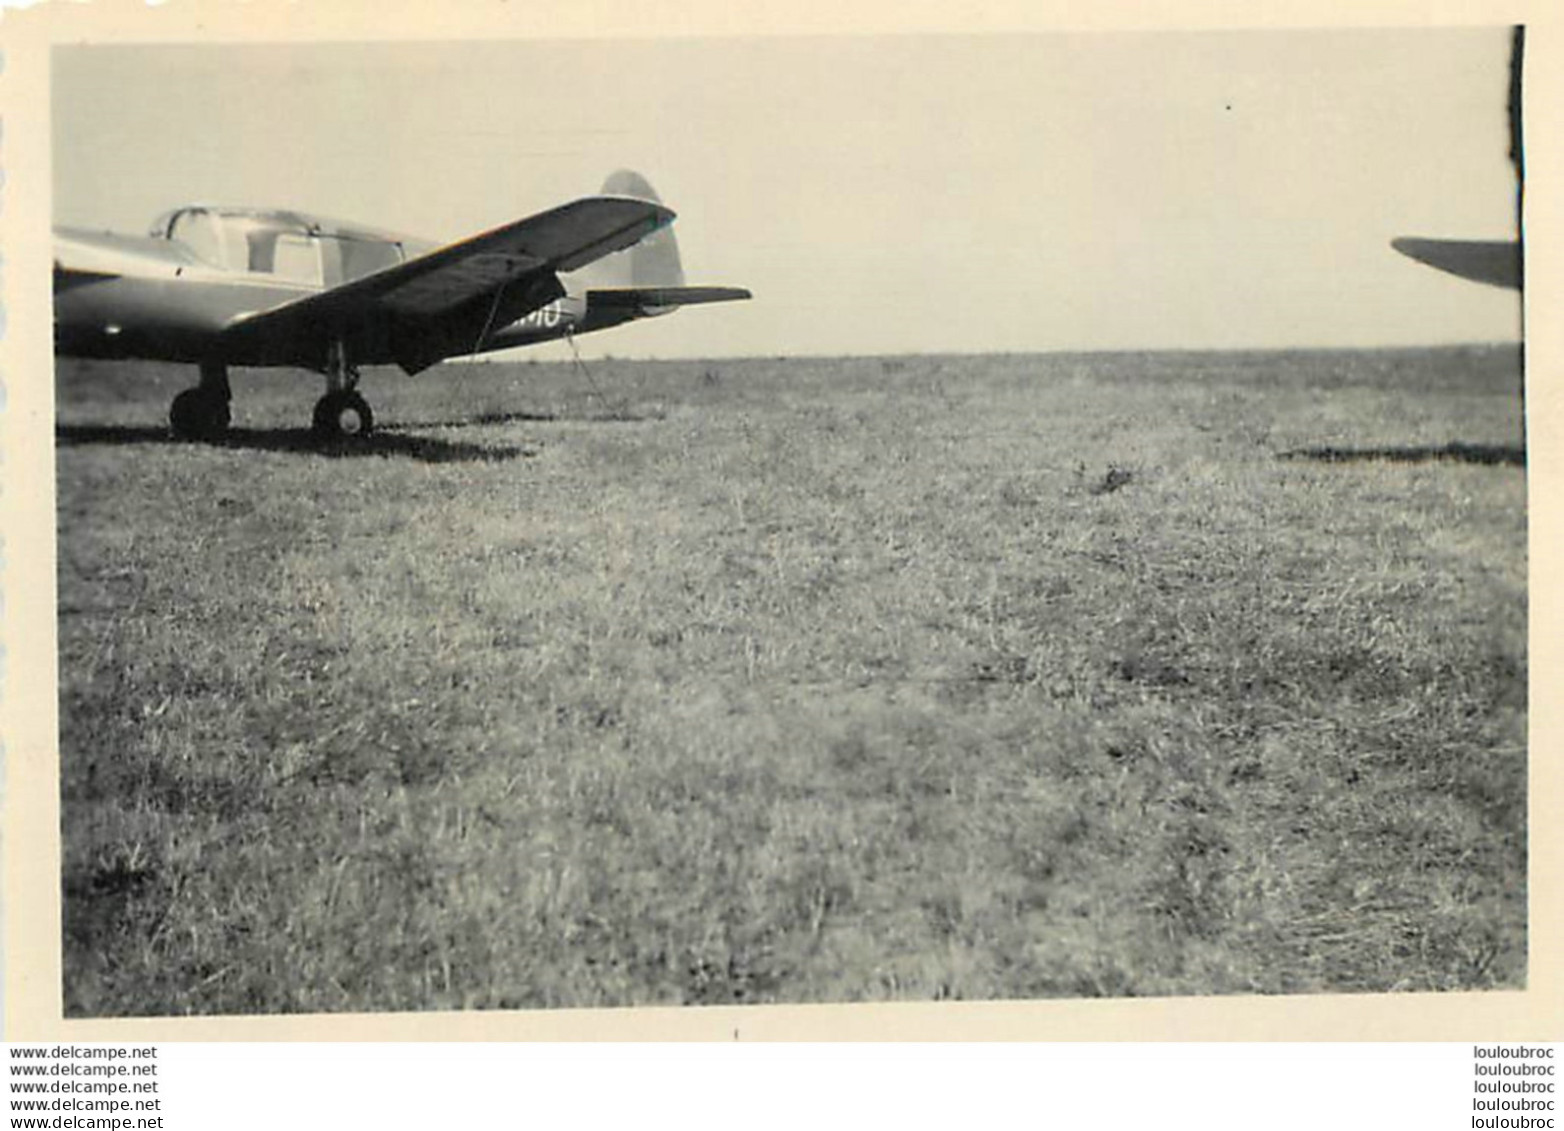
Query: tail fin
{"points": [[644, 280], [654, 262]]}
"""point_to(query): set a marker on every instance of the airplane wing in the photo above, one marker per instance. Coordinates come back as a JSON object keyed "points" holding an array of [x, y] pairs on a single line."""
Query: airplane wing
{"points": [[432, 306], [1497, 263]]}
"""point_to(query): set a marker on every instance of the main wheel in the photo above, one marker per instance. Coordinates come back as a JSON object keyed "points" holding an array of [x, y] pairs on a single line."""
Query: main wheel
{"points": [[198, 415], [343, 413]]}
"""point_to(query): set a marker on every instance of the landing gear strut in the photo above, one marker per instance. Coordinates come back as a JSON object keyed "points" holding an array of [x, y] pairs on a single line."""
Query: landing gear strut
{"points": [[202, 413], [342, 412]]}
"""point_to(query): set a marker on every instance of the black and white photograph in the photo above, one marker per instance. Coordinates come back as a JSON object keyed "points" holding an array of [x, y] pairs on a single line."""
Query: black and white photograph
{"points": [[563, 523]]}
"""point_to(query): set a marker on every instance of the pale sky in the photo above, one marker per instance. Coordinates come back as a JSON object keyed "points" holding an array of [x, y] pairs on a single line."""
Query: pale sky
{"points": [[878, 194]]}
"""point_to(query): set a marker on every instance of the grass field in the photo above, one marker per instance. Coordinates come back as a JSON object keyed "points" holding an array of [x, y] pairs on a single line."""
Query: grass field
{"points": [[797, 680]]}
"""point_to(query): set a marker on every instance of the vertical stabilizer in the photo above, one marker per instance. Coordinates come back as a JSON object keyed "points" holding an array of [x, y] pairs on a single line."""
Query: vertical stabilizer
{"points": [[654, 262]]}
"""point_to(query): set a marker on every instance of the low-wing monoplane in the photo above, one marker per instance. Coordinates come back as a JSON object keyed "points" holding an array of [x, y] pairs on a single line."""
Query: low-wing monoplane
{"points": [[218, 286]]}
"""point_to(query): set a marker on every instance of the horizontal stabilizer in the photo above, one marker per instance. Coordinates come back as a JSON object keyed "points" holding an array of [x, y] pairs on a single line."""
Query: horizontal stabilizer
{"points": [[656, 299], [1495, 262]]}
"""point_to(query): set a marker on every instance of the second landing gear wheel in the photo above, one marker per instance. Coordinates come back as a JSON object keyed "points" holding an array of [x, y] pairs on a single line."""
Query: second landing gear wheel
{"points": [[197, 414], [343, 413]]}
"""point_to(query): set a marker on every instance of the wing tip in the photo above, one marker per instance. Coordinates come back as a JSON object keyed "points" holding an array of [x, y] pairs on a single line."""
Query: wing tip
{"points": [[1498, 263]]}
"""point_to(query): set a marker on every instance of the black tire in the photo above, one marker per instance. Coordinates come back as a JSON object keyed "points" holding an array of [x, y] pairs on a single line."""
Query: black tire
{"points": [[343, 415], [196, 415]]}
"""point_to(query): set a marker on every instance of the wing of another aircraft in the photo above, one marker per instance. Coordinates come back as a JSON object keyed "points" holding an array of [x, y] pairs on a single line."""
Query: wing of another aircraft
{"points": [[1497, 263], [433, 305]]}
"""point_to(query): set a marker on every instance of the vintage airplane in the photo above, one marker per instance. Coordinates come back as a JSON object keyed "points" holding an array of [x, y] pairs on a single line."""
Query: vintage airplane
{"points": [[257, 287]]}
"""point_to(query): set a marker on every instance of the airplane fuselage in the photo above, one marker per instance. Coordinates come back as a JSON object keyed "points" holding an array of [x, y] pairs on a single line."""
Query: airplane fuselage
{"points": [[129, 297]]}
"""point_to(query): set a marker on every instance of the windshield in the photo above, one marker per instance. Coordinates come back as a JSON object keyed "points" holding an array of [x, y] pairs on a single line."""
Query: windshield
{"points": [[288, 246]]}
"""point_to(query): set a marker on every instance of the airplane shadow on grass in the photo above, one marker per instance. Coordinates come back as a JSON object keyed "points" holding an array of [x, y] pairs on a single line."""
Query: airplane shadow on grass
{"points": [[384, 443], [613, 414], [1489, 454], [476, 421]]}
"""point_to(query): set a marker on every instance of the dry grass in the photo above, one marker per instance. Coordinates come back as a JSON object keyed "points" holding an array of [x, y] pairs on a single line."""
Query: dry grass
{"points": [[803, 680]]}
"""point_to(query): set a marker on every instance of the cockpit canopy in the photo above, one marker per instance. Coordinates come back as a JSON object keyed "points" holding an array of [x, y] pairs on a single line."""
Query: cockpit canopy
{"points": [[287, 246]]}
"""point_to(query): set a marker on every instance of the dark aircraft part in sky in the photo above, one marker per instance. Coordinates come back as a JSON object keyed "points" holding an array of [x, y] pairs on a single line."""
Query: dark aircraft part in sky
{"points": [[1517, 66], [1518, 145], [1495, 262], [1498, 263]]}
